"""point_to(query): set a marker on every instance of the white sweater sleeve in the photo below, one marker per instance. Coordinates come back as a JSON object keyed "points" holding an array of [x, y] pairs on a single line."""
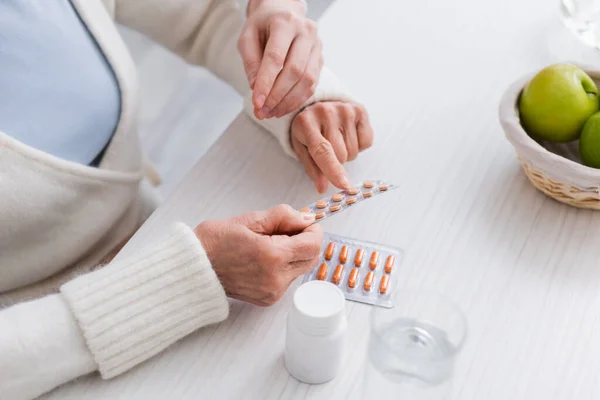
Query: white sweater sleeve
{"points": [[205, 32], [111, 319]]}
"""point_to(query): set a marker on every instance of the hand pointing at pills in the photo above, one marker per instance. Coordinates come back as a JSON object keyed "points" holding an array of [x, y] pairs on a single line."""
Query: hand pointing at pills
{"points": [[257, 255], [282, 56], [327, 134]]}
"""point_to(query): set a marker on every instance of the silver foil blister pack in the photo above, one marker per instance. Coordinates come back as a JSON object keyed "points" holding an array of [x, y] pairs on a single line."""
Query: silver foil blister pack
{"points": [[366, 272], [340, 201]]}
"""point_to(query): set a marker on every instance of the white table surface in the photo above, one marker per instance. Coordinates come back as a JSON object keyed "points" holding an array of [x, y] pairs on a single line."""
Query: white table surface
{"points": [[524, 268]]}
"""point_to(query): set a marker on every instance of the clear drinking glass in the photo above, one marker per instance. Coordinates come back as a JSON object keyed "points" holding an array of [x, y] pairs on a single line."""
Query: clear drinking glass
{"points": [[413, 347], [583, 18]]}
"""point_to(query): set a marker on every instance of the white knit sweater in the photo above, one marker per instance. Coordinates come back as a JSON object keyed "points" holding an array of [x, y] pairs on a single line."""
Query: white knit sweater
{"points": [[59, 219]]}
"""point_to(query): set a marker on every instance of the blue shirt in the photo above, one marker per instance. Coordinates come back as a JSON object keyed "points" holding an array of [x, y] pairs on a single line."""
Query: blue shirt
{"points": [[57, 91]]}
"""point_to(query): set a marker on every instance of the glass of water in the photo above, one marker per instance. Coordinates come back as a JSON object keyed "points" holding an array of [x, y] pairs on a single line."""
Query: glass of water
{"points": [[583, 18], [413, 347]]}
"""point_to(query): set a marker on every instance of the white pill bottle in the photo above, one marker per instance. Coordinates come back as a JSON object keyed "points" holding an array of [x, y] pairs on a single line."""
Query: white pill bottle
{"points": [[316, 332]]}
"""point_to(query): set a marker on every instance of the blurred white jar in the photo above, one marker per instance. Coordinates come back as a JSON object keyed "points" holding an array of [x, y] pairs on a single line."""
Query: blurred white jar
{"points": [[316, 332]]}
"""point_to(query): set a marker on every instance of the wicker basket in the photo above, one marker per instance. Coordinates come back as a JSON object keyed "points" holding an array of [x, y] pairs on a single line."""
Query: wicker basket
{"points": [[554, 169]]}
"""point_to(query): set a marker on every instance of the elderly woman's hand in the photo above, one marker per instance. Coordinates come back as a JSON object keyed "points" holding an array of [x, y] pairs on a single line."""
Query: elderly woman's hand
{"points": [[258, 255], [327, 134], [282, 56]]}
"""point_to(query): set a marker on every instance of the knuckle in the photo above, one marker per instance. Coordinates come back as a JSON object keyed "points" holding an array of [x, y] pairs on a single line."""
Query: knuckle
{"points": [[327, 109], [311, 26], [360, 111], [321, 149], [273, 259], [302, 120], [348, 111], [272, 297], [310, 80], [283, 209], [368, 141], [296, 71], [276, 56], [241, 42], [285, 16], [251, 65]]}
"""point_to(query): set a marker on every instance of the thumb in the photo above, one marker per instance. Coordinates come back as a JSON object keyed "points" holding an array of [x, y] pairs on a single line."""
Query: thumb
{"points": [[282, 219]]}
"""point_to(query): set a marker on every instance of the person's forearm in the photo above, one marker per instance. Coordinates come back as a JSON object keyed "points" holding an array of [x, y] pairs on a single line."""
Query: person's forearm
{"points": [[298, 6], [41, 347]]}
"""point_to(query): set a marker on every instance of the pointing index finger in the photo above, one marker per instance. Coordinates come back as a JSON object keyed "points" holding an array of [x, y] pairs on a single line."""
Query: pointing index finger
{"points": [[324, 156]]}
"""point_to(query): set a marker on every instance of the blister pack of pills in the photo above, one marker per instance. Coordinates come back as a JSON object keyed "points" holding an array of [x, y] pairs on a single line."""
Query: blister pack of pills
{"points": [[366, 272], [340, 201]]}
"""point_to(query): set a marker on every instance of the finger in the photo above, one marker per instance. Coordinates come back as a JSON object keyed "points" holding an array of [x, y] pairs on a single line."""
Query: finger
{"points": [[251, 52], [348, 123], [276, 50], [305, 88], [335, 136], [281, 219], [310, 167], [364, 130], [324, 156], [304, 246], [307, 245], [293, 69], [351, 140]]}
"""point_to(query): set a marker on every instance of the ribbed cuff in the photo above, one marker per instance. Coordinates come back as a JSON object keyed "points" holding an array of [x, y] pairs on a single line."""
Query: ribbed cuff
{"points": [[329, 88], [132, 309]]}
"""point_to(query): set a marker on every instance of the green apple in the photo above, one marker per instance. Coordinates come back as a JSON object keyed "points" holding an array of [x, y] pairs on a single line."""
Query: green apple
{"points": [[589, 142], [556, 103]]}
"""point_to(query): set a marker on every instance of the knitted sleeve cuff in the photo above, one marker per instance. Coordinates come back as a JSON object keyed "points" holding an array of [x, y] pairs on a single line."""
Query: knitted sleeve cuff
{"points": [[329, 88], [134, 308]]}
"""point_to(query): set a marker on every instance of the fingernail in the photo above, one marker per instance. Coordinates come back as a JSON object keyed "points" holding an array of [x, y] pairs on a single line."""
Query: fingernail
{"points": [[345, 182], [265, 111], [308, 217], [260, 101]]}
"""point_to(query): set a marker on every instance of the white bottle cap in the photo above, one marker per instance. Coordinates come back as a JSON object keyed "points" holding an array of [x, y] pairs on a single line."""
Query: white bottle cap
{"points": [[319, 308]]}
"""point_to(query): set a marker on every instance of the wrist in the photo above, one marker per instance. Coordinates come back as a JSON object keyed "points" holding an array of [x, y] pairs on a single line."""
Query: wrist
{"points": [[205, 234], [296, 6]]}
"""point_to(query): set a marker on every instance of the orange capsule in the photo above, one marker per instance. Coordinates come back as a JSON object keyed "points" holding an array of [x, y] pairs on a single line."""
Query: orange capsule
{"points": [[329, 251], [389, 264], [305, 209], [369, 280], [368, 184], [321, 204], [368, 193], [383, 188], [337, 197], [353, 191], [320, 215], [374, 260], [358, 258], [337, 274], [353, 278], [335, 208], [351, 200], [344, 254], [385, 282], [322, 272]]}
